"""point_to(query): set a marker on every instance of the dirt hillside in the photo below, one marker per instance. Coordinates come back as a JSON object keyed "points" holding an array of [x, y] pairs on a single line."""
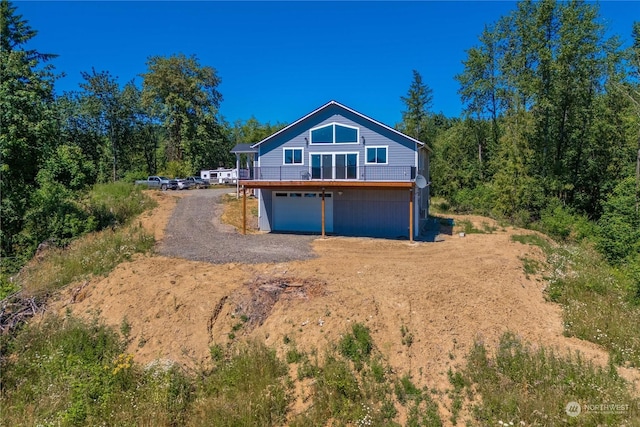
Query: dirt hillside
{"points": [[447, 294]]}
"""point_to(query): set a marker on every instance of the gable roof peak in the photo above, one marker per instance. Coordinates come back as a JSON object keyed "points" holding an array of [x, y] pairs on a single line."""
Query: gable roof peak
{"points": [[344, 107]]}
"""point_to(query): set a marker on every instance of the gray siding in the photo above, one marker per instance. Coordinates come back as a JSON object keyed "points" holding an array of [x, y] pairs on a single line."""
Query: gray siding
{"points": [[265, 211], [375, 213], [401, 152]]}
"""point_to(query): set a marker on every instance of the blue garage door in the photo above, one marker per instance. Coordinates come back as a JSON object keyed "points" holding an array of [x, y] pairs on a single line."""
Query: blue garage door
{"points": [[301, 211]]}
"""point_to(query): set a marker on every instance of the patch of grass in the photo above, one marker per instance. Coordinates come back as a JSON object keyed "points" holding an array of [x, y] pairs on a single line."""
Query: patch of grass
{"points": [[468, 228], [598, 300], [533, 386], [357, 345], [294, 356], [95, 254], [125, 329], [251, 389], [7, 287], [488, 228], [217, 353], [65, 371], [439, 205], [533, 239], [459, 383], [531, 266], [362, 393], [232, 213]]}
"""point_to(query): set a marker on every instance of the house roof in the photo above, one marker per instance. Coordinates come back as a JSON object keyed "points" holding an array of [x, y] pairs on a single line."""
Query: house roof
{"points": [[337, 104], [243, 148]]}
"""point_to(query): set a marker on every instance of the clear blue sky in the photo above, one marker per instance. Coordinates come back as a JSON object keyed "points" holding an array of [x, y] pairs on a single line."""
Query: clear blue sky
{"points": [[280, 60]]}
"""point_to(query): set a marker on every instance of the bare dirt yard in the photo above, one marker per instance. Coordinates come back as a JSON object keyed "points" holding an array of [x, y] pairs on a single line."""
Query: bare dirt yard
{"points": [[446, 294]]}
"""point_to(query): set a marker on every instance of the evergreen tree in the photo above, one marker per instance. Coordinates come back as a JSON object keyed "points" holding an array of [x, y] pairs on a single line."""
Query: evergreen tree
{"points": [[28, 125], [415, 119]]}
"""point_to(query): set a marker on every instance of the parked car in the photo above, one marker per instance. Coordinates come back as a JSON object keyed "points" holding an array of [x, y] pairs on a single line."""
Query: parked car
{"points": [[184, 184], [197, 182], [159, 182]]}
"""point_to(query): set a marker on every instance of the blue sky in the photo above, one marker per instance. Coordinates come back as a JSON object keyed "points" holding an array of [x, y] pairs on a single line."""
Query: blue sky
{"points": [[280, 60]]}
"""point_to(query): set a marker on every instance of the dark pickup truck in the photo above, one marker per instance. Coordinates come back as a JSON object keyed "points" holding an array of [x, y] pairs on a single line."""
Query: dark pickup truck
{"points": [[195, 182]]}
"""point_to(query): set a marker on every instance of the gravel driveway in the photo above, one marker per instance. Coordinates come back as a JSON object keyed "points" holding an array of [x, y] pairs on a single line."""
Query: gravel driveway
{"points": [[195, 232]]}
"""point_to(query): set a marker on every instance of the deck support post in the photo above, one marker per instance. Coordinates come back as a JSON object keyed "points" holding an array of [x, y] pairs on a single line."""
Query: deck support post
{"points": [[323, 234], [244, 210], [411, 215]]}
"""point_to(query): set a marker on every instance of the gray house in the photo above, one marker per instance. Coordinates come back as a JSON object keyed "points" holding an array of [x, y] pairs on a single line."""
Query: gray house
{"points": [[338, 171]]}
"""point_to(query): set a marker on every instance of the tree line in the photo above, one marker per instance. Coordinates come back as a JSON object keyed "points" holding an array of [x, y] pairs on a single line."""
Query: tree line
{"points": [[550, 133], [54, 148]]}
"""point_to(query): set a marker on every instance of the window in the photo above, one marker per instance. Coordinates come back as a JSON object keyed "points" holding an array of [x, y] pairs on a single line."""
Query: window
{"points": [[334, 166], [323, 135], [377, 155], [346, 135], [293, 156], [334, 133]]}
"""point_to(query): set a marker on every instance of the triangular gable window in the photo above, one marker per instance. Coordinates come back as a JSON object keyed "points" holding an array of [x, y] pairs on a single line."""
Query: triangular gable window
{"points": [[334, 133]]}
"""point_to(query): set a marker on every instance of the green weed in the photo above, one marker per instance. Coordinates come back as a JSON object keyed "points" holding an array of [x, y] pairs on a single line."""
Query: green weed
{"points": [[533, 386], [250, 389], [599, 301], [533, 239], [530, 266], [65, 371], [357, 345], [407, 337]]}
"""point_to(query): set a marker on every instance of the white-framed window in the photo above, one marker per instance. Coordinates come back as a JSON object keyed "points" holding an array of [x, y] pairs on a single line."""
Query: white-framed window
{"points": [[333, 165], [377, 155], [334, 133], [292, 156]]}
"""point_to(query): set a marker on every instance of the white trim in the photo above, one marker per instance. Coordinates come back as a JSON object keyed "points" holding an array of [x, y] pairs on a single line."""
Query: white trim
{"points": [[366, 157], [333, 165], [284, 163], [334, 124], [347, 109]]}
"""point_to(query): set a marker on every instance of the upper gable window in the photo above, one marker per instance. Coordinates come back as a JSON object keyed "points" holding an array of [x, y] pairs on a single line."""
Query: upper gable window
{"points": [[334, 133]]}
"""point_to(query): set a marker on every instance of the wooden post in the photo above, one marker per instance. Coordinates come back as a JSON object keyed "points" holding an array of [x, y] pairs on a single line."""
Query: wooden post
{"points": [[244, 210], [411, 215], [323, 212]]}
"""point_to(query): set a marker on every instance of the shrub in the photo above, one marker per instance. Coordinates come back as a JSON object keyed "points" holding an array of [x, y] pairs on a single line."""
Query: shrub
{"points": [[619, 225], [116, 204], [479, 199]]}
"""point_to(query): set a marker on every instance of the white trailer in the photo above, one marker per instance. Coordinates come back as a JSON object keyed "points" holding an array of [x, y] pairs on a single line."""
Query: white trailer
{"points": [[220, 176]]}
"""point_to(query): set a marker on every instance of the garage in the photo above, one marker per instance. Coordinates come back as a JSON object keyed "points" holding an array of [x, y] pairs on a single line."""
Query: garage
{"points": [[301, 211]]}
